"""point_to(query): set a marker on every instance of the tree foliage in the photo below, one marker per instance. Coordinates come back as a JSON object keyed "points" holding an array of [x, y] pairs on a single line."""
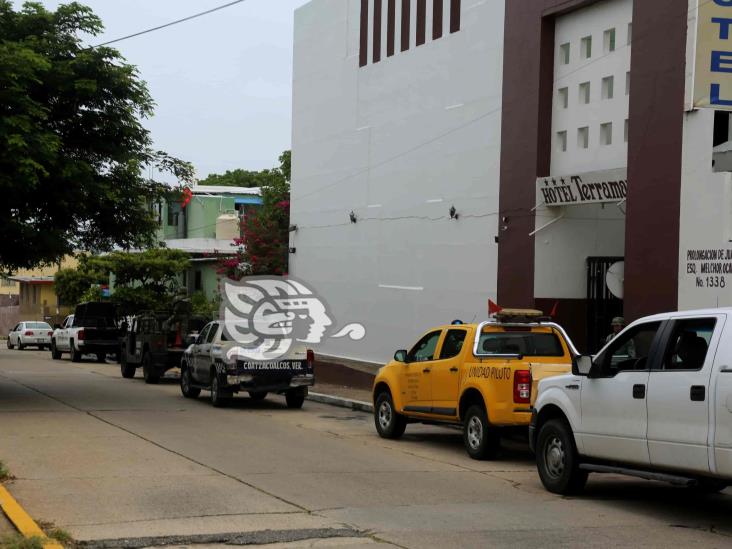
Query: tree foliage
{"points": [[264, 246], [145, 280], [247, 178], [72, 146]]}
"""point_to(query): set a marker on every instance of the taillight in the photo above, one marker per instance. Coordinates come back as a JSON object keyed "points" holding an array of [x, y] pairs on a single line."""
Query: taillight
{"points": [[310, 359], [50, 333], [522, 387], [28, 333], [80, 335]]}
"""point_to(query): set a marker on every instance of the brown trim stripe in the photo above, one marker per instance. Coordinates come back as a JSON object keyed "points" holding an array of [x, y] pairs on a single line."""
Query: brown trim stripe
{"points": [[377, 31], [437, 23], [363, 53], [390, 27], [455, 15], [421, 22], [406, 28]]}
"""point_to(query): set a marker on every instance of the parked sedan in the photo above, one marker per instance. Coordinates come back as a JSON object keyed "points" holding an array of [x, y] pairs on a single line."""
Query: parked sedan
{"points": [[30, 334]]}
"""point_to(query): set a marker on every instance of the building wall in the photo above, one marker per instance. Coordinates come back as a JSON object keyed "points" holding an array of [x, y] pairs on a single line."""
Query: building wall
{"points": [[397, 142]]}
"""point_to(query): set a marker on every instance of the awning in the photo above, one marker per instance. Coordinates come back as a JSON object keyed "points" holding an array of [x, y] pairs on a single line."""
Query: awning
{"points": [[257, 200]]}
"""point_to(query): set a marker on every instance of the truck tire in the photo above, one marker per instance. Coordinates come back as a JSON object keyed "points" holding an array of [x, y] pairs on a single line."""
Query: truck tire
{"points": [[149, 373], [55, 353], [389, 423], [482, 441], [128, 370], [295, 398], [75, 355], [219, 397], [257, 395], [186, 383], [557, 460]]}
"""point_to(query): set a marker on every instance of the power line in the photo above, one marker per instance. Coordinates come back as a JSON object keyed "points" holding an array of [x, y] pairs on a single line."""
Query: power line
{"points": [[166, 25]]}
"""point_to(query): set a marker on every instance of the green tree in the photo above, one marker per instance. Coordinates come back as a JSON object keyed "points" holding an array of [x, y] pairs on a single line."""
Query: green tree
{"points": [[145, 280], [72, 147], [241, 178]]}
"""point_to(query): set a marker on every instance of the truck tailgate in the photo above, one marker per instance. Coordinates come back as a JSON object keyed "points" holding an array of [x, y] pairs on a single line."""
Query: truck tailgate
{"points": [[541, 371]]}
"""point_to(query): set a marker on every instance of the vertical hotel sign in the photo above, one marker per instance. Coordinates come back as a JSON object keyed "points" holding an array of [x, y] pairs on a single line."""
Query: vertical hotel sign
{"points": [[713, 62]]}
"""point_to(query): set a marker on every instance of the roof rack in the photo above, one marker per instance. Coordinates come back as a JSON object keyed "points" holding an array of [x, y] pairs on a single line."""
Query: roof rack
{"points": [[521, 316]]}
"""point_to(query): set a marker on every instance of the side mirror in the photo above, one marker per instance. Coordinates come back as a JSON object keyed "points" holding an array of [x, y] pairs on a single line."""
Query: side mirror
{"points": [[199, 340], [582, 365], [401, 356]]}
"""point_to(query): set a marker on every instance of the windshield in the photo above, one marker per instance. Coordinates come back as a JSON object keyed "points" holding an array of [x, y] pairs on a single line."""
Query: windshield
{"points": [[520, 343], [37, 326]]}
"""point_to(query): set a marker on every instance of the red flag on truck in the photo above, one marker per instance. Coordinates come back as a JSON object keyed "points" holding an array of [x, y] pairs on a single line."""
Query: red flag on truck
{"points": [[493, 308]]}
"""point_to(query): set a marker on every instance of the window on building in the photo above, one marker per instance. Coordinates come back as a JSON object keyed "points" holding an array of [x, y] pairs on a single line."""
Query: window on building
{"points": [[609, 40], [586, 47], [197, 281], [584, 93], [608, 87], [630, 34], [35, 295], [173, 214], [564, 98], [564, 54], [606, 133], [625, 131], [627, 83], [583, 137], [562, 141]]}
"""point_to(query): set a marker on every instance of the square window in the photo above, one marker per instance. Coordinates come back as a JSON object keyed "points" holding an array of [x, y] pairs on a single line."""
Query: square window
{"points": [[584, 93], [609, 40], [630, 33], [627, 127], [564, 54], [583, 137], [606, 133], [562, 141], [608, 85], [586, 47], [627, 83], [564, 98]]}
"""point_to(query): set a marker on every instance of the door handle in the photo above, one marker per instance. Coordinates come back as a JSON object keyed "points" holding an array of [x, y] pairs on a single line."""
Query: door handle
{"points": [[698, 393], [639, 391], [725, 370], [453, 369], [426, 371]]}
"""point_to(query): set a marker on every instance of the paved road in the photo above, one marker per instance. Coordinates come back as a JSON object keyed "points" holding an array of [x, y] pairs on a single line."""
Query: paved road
{"points": [[109, 458]]}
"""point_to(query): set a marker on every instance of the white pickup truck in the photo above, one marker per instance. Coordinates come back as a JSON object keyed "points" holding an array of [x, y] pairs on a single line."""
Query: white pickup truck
{"points": [[92, 329], [656, 403]]}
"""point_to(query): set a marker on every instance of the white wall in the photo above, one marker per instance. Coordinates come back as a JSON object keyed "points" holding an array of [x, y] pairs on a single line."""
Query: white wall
{"points": [[399, 143], [589, 230]]}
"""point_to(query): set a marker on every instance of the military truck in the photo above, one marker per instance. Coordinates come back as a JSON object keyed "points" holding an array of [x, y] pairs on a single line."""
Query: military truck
{"points": [[155, 341]]}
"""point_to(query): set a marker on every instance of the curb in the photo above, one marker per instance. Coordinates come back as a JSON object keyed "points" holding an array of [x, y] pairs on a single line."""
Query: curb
{"points": [[22, 521], [357, 405]]}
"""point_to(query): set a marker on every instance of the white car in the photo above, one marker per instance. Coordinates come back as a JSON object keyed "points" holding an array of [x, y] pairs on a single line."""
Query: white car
{"points": [[655, 402], [30, 334]]}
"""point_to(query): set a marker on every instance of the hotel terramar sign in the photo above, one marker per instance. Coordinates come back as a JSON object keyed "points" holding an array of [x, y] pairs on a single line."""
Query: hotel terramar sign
{"points": [[585, 188]]}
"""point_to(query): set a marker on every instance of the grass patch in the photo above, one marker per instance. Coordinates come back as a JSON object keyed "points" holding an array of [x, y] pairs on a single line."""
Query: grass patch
{"points": [[61, 536], [4, 472], [16, 541]]}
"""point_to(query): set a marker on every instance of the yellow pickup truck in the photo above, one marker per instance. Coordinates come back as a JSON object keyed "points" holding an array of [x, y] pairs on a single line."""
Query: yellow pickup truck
{"points": [[482, 376]]}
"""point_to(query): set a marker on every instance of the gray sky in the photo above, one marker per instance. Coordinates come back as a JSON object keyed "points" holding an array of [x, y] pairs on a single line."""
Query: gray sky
{"points": [[222, 82]]}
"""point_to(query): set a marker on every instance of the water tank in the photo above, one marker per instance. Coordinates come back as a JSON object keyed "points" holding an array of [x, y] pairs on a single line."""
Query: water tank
{"points": [[227, 226]]}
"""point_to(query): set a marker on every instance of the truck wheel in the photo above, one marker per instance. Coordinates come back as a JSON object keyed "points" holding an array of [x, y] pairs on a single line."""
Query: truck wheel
{"points": [[295, 398], [257, 395], [219, 396], [186, 383], [389, 424], [127, 369], [148, 370], [101, 357], [75, 355], [557, 459], [481, 440], [55, 353]]}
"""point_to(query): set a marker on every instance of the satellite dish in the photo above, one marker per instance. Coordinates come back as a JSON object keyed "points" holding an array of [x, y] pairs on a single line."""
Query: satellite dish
{"points": [[615, 279]]}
